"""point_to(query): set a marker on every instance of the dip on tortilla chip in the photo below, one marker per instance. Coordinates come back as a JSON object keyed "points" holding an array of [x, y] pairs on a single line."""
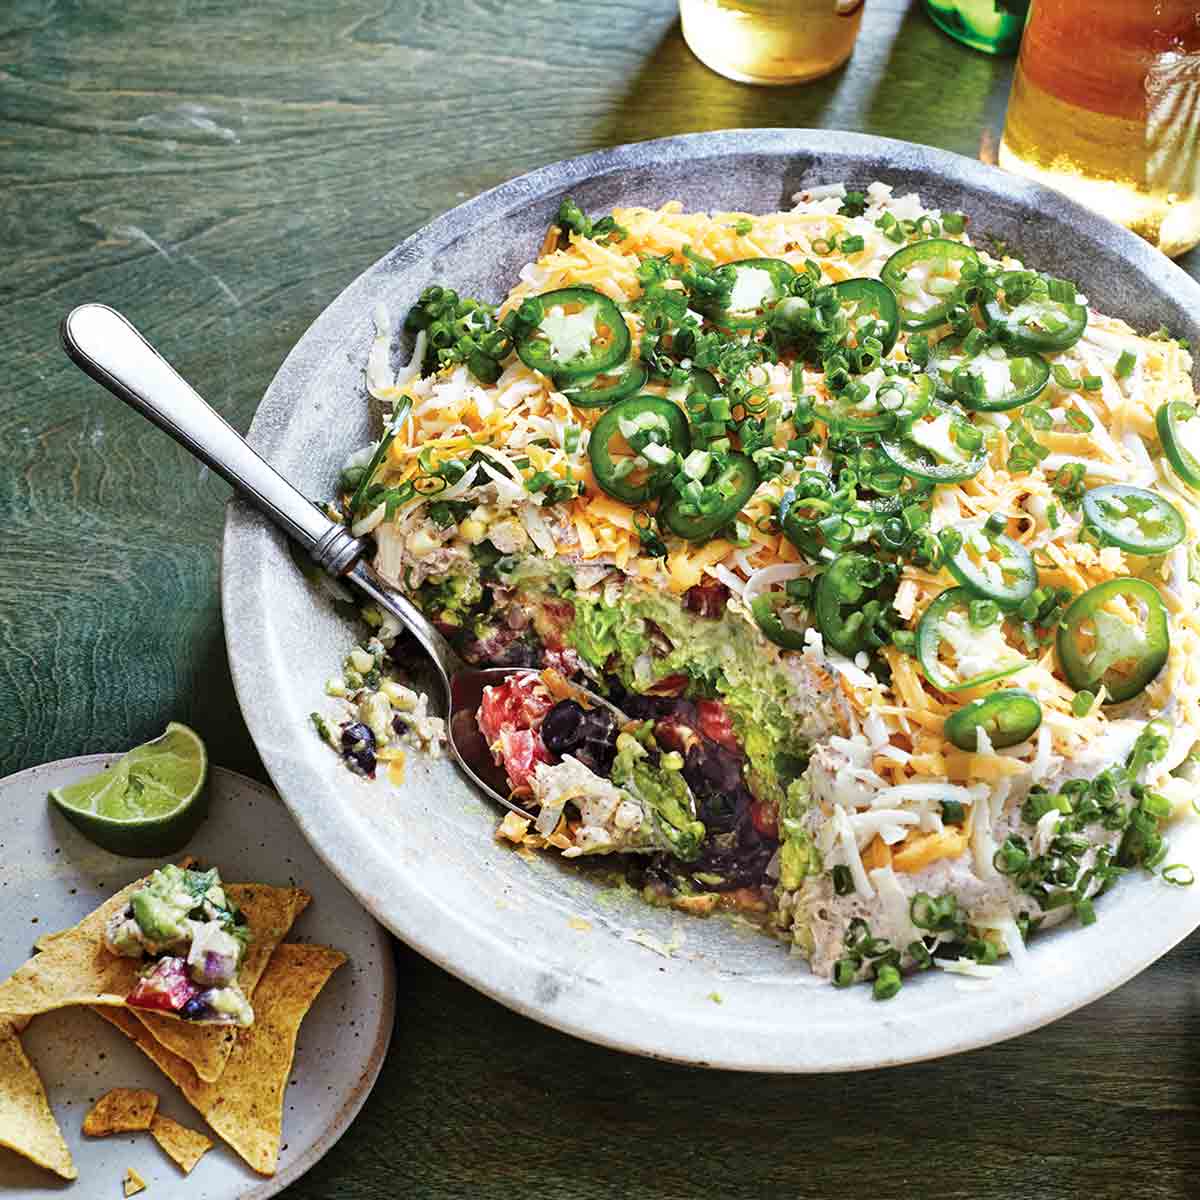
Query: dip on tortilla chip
{"points": [[122, 1110], [184, 1146], [74, 967], [270, 912], [26, 1123], [245, 1106]]}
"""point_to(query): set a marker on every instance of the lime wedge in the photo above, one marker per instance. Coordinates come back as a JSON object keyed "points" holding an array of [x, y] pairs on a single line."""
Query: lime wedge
{"points": [[148, 803]]}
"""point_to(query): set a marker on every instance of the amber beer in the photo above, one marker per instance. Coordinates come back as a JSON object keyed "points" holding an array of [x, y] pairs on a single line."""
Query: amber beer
{"points": [[1105, 106], [771, 41]]}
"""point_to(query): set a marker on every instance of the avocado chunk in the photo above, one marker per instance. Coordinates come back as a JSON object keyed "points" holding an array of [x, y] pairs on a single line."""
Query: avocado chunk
{"points": [[663, 794]]}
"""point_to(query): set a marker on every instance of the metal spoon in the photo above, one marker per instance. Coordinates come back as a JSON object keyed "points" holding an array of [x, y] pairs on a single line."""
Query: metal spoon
{"points": [[106, 346]]}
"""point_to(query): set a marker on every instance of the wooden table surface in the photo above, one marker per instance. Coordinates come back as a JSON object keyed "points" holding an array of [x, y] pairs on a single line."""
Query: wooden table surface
{"points": [[219, 170]]}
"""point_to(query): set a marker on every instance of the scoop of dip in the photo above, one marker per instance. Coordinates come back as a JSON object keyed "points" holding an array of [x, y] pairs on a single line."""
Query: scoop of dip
{"points": [[194, 938]]}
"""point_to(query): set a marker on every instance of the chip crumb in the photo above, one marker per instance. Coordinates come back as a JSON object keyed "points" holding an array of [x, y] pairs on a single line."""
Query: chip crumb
{"points": [[513, 828], [580, 923], [133, 1182], [560, 839], [184, 1146], [246, 1106], [121, 1110]]}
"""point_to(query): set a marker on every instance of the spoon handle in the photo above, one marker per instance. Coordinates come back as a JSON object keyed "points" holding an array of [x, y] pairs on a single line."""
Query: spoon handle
{"points": [[104, 345]]}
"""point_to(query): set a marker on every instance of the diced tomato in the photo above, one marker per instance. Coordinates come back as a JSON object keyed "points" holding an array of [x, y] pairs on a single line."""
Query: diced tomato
{"points": [[167, 987], [520, 702], [673, 734], [668, 685], [520, 752], [715, 723], [509, 718], [706, 599], [765, 816]]}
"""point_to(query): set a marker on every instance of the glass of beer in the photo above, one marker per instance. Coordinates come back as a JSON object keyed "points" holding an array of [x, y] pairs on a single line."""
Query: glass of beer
{"points": [[771, 41], [1105, 106]]}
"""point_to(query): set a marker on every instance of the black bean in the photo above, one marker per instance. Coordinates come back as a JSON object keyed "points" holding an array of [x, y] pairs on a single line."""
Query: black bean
{"points": [[711, 769], [563, 727], [194, 1009], [719, 812], [358, 747]]}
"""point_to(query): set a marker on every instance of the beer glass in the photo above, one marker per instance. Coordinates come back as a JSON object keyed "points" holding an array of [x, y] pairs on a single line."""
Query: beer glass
{"points": [[1105, 106], [771, 41]]}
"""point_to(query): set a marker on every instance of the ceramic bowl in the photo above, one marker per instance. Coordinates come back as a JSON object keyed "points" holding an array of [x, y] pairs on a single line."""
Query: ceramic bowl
{"points": [[529, 930]]}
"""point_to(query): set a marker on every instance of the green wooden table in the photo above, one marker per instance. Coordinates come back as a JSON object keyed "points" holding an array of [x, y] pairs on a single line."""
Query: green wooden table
{"points": [[219, 170]]}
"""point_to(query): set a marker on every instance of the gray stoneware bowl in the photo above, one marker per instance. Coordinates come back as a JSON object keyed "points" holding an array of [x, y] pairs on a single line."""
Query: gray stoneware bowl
{"points": [[529, 930]]}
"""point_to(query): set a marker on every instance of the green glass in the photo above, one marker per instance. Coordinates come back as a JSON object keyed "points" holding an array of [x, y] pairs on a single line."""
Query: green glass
{"points": [[993, 26]]}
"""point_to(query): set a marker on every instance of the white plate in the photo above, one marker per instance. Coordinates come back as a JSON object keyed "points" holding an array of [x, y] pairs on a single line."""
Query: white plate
{"points": [[51, 877], [534, 933]]}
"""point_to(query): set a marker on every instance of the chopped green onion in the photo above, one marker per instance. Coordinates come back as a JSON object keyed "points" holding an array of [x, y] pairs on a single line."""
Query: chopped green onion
{"points": [[1064, 378], [1180, 874], [983, 613], [1125, 364], [1156, 805], [1092, 383], [920, 955], [954, 222], [968, 437], [953, 812], [887, 982], [844, 971], [1012, 857], [843, 881], [1082, 702], [743, 227], [854, 204], [1085, 910]]}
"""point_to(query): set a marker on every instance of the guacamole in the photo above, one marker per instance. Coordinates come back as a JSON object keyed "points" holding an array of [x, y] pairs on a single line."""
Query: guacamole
{"points": [[193, 938]]}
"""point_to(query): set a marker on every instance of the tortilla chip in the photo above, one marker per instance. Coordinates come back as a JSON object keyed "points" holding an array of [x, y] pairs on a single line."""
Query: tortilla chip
{"points": [[123, 1110], [246, 1105], [48, 939], [26, 1123], [270, 912], [133, 1182], [185, 1146], [75, 968]]}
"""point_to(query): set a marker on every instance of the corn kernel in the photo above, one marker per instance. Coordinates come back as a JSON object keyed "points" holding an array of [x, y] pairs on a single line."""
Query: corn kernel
{"points": [[361, 661]]}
